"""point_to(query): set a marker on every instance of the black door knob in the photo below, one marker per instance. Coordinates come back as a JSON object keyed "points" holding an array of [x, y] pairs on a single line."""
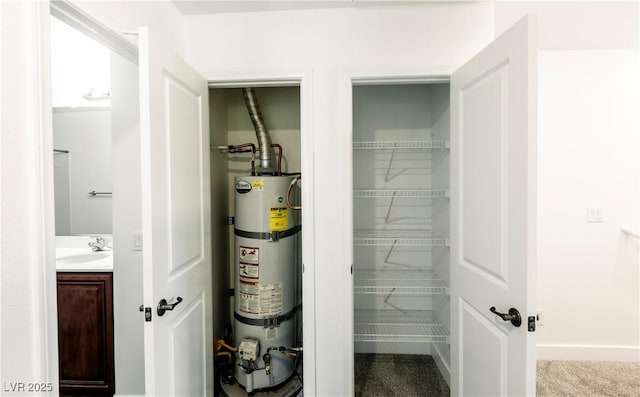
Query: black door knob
{"points": [[513, 316], [164, 306]]}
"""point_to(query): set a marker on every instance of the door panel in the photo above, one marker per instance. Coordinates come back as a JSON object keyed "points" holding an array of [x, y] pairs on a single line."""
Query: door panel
{"points": [[176, 223], [189, 349], [184, 119], [482, 200], [491, 355], [493, 205]]}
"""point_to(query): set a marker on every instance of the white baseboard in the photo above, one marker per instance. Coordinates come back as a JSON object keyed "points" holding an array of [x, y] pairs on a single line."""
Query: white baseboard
{"points": [[588, 352], [442, 361]]}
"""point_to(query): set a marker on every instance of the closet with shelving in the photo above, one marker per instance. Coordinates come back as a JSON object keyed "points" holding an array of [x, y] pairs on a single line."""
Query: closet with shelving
{"points": [[401, 220]]}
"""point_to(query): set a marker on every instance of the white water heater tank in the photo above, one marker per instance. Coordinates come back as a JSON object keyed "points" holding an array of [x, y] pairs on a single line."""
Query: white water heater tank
{"points": [[267, 276]]}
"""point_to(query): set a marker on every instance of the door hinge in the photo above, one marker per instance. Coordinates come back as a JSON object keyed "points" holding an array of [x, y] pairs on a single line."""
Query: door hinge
{"points": [[147, 312]]}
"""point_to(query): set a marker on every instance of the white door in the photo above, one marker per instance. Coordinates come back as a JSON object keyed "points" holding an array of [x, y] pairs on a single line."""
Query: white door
{"points": [[493, 159], [176, 223]]}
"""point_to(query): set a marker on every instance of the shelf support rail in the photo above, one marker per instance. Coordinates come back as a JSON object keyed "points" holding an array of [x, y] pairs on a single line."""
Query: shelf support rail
{"points": [[387, 258], [388, 177], [386, 301]]}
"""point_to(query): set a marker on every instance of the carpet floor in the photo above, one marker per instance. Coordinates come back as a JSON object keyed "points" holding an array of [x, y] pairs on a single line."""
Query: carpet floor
{"points": [[389, 375], [588, 378]]}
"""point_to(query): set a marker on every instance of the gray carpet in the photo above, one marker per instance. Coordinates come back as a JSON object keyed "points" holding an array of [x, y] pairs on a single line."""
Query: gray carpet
{"points": [[388, 375], [588, 378]]}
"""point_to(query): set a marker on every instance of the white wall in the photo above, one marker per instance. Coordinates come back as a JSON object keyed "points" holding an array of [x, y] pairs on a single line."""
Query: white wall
{"points": [[86, 134], [28, 321], [588, 144], [323, 45], [575, 25], [78, 64], [589, 157]]}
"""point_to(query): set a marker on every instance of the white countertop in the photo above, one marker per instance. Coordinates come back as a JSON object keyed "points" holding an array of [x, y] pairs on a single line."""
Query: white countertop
{"points": [[73, 254]]}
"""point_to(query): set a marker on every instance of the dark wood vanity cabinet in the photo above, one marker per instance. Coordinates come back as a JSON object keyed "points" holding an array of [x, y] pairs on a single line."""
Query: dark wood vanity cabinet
{"points": [[85, 334]]}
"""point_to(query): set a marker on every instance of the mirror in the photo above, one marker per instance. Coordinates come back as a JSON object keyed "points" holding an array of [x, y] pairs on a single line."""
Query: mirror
{"points": [[81, 118]]}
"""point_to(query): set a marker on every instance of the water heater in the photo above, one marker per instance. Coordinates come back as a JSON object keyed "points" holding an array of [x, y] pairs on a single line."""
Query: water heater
{"points": [[266, 295]]}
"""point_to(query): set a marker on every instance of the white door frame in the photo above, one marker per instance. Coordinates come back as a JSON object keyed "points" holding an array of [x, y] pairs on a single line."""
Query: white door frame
{"points": [[303, 79], [29, 347]]}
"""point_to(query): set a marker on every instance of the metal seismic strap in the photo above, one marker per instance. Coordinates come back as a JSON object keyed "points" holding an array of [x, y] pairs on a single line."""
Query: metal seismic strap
{"points": [[269, 322], [271, 236]]}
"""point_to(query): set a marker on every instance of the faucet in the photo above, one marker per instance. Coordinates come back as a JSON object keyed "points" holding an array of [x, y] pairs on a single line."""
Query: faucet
{"points": [[99, 244]]}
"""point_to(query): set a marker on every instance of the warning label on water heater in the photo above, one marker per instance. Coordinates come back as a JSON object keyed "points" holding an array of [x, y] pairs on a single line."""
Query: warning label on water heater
{"points": [[249, 273], [249, 303], [271, 299], [257, 185], [249, 264], [249, 255], [249, 288], [278, 219], [249, 296], [247, 270], [264, 300]]}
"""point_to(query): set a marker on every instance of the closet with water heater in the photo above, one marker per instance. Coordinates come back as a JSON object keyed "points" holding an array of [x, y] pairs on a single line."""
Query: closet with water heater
{"points": [[400, 152]]}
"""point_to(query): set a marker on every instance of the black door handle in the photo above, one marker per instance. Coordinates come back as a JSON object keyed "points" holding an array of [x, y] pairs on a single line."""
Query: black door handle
{"points": [[164, 306], [513, 316]]}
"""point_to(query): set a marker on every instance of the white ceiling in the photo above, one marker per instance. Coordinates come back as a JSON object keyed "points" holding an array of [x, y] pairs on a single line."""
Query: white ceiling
{"points": [[190, 7]]}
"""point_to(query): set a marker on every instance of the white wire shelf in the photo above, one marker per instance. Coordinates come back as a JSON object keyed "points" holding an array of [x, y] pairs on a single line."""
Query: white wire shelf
{"points": [[398, 283], [394, 326], [373, 193], [362, 237], [371, 316], [406, 145]]}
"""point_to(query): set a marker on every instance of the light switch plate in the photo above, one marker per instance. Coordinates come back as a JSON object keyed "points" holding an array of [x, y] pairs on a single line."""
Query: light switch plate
{"points": [[137, 241], [594, 215]]}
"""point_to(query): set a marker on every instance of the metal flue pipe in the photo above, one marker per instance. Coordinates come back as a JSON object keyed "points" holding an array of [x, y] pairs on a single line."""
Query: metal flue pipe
{"points": [[264, 139]]}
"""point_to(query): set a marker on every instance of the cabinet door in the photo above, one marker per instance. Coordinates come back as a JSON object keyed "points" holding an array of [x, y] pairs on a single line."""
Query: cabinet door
{"points": [[176, 223], [85, 334], [493, 208]]}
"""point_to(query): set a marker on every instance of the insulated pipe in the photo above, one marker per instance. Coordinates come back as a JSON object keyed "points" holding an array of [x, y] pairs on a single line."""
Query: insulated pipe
{"points": [[264, 140]]}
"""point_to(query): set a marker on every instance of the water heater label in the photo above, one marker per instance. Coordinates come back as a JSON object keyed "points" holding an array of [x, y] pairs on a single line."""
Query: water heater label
{"points": [[278, 219], [249, 288], [271, 334], [243, 187], [270, 299], [249, 255], [249, 271], [257, 185], [249, 303]]}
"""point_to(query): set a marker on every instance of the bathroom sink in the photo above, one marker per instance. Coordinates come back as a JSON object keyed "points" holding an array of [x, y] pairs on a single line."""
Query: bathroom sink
{"points": [[78, 256]]}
